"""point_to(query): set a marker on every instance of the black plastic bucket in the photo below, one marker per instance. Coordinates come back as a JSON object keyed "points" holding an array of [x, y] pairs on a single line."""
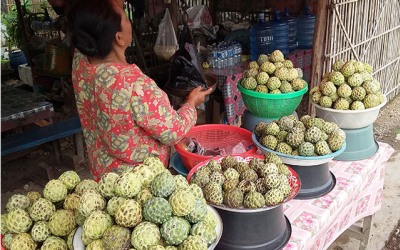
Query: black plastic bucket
{"points": [[262, 230], [316, 180]]}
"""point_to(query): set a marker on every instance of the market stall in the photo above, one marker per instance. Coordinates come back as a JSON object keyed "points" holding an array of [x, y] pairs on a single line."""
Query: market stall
{"points": [[285, 179]]}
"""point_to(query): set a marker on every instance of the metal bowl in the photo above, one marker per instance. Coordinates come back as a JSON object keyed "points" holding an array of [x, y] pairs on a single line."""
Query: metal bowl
{"points": [[211, 82]]}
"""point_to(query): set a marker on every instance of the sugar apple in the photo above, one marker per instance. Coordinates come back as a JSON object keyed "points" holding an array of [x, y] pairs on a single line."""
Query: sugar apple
{"points": [[253, 199], [22, 241], [91, 201], [86, 185], [71, 202], [114, 203], [233, 198], [262, 58], [268, 67], [249, 83], [144, 235], [96, 224], [18, 201], [175, 230], [129, 214], [198, 213], [194, 242], [146, 174], [204, 230], [117, 238], [128, 185], [54, 242], [34, 196], [157, 210], [277, 56], [18, 221], [55, 191], [96, 245], [107, 183], [155, 164], [274, 197], [182, 202], [213, 193], [70, 179], [163, 184], [306, 149], [274, 83], [62, 222]]}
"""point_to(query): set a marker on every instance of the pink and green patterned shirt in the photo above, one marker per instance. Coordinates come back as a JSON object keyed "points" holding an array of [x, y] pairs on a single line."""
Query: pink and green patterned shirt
{"points": [[125, 116]]}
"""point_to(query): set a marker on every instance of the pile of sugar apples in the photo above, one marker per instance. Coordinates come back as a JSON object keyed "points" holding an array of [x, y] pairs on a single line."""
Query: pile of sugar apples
{"points": [[143, 208], [307, 136], [350, 86], [237, 184], [273, 74]]}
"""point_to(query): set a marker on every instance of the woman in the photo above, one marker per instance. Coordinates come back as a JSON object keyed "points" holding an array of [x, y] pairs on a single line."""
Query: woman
{"points": [[125, 116]]}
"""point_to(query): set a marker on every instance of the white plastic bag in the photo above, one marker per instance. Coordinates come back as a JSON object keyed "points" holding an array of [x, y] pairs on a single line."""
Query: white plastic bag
{"points": [[166, 44]]}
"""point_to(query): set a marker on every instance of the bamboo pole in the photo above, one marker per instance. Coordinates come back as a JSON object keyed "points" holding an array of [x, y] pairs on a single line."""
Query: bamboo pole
{"points": [[318, 47]]}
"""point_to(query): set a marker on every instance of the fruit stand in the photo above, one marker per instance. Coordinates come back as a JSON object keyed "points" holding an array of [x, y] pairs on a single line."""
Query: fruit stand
{"points": [[284, 181]]}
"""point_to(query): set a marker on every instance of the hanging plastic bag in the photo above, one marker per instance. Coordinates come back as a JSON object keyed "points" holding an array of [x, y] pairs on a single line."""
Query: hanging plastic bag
{"points": [[166, 44], [185, 72]]}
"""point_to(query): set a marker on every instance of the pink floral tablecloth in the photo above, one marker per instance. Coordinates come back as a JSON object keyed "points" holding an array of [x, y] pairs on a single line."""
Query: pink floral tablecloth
{"points": [[316, 223]]}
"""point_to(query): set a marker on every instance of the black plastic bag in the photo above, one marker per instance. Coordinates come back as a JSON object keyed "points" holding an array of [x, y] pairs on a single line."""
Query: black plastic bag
{"points": [[185, 72]]}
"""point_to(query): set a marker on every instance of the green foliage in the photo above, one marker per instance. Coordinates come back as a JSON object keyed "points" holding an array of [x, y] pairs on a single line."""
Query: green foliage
{"points": [[13, 34]]}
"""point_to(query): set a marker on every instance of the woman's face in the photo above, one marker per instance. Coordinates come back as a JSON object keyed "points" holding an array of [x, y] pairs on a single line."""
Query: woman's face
{"points": [[126, 26]]}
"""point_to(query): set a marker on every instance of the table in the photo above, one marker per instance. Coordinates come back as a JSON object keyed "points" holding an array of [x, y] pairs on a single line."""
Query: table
{"points": [[358, 193], [20, 107]]}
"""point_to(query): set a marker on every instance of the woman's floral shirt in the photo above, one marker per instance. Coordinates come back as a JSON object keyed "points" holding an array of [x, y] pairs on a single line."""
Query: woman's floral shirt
{"points": [[125, 116]]}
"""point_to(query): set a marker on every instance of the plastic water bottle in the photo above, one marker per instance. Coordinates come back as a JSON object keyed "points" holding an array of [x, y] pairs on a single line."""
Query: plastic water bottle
{"points": [[281, 33], [291, 21], [231, 56], [263, 36], [305, 29]]}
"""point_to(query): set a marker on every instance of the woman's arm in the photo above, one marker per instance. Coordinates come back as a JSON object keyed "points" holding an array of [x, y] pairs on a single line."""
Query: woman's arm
{"points": [[152, 111]]}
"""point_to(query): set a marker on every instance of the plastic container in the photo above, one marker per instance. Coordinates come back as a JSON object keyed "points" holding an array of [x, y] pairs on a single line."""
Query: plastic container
{"points": [[280, 31], [212, 136], [16, 58], [261, 38], [305, 29], [256, 229], [360, 144], [271, 105], [349, 119], [177, 164], [299, 160], [249, 121], [291, 21], [317, 181]]}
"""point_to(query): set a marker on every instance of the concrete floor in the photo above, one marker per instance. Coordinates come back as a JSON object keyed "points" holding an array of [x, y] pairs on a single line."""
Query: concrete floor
{"points": [[386, 219]]}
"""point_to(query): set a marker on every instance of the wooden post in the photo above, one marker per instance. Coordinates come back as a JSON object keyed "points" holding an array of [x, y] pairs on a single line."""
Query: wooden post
{"points": [[173, 8], [318, 56]]}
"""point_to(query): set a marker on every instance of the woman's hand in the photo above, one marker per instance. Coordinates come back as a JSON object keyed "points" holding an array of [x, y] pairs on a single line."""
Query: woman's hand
{"points": [[197, 95]]}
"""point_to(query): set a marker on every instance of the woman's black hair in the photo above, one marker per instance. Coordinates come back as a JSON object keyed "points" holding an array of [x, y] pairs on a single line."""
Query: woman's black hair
{"points": [[93, 24]]}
